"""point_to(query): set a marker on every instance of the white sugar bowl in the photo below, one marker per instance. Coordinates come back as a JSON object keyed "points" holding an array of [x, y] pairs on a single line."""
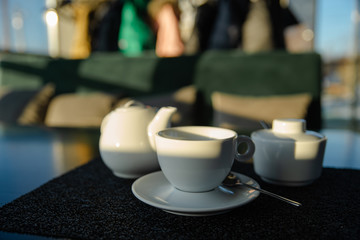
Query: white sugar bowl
{"points": [[288, 154]]}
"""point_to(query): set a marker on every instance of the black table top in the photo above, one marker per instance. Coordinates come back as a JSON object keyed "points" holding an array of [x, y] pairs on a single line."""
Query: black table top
{"points": [[32, 156]]}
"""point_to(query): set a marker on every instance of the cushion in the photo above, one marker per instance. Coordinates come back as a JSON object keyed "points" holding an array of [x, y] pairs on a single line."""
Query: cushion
{"points": [[35, 110], [77, 110], [13, 102], [4, 91], [244, 112]]}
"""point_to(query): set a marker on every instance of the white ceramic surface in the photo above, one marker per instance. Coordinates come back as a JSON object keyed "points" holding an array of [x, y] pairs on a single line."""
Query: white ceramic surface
{"points": [[125, 138], [154, 190], [197, 159], [289, 126], [288, 154]]}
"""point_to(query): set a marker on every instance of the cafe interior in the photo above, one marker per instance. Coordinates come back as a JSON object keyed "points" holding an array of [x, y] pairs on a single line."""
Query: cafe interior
{"points": [[108, 107]]}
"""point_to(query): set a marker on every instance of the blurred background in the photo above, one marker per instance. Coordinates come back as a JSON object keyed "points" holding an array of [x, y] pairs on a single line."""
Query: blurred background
{"points": [[329, 27]]}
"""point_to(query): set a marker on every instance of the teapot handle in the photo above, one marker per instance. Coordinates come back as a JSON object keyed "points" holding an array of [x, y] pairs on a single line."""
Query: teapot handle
{"points": [[133, 103]]}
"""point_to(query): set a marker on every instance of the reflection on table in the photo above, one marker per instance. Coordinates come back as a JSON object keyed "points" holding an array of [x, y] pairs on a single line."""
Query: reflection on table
{"points": [[342, 149], [31, 156]]}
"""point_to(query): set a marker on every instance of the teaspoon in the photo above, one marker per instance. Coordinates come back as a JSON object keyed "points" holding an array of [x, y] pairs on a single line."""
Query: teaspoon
{"points": [[232, 181]]}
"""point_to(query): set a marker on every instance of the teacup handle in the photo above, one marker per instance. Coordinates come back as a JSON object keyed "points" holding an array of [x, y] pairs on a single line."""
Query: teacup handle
{"points": [[250, 148]]}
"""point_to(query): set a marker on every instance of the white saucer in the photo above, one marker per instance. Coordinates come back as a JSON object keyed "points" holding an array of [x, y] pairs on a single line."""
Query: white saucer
{"points": [[155, 190]]}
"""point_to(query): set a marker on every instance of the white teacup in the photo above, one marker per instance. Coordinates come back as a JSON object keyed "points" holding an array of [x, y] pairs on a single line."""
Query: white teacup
{"points": [[197, 159], [287, 154]]}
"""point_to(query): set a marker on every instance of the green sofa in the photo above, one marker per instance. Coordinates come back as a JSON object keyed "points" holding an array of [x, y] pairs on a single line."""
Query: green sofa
{"points": [[155, 80]]}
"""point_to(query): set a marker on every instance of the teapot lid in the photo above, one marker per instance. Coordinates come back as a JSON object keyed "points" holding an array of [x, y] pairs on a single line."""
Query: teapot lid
{"points": [[288, 129], [131, 105]]}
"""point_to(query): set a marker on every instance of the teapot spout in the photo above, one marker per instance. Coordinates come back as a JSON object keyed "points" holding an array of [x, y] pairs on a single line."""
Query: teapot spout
{"points": [[159, 122]]}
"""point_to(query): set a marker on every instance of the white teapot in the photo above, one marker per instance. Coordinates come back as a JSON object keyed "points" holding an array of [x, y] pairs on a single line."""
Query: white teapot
{"points": [[127, 144]]}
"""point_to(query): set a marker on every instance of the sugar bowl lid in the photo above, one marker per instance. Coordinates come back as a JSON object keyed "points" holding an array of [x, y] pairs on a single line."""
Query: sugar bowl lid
{"points": [[287, 129]]}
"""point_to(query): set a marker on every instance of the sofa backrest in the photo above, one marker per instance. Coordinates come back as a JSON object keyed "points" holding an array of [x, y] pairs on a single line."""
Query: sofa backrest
{"points": [[109, 72]]}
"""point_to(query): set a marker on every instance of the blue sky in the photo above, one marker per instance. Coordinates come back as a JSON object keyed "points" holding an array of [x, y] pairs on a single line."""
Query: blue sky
{"points": [[334, 28], [34, 26]]}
